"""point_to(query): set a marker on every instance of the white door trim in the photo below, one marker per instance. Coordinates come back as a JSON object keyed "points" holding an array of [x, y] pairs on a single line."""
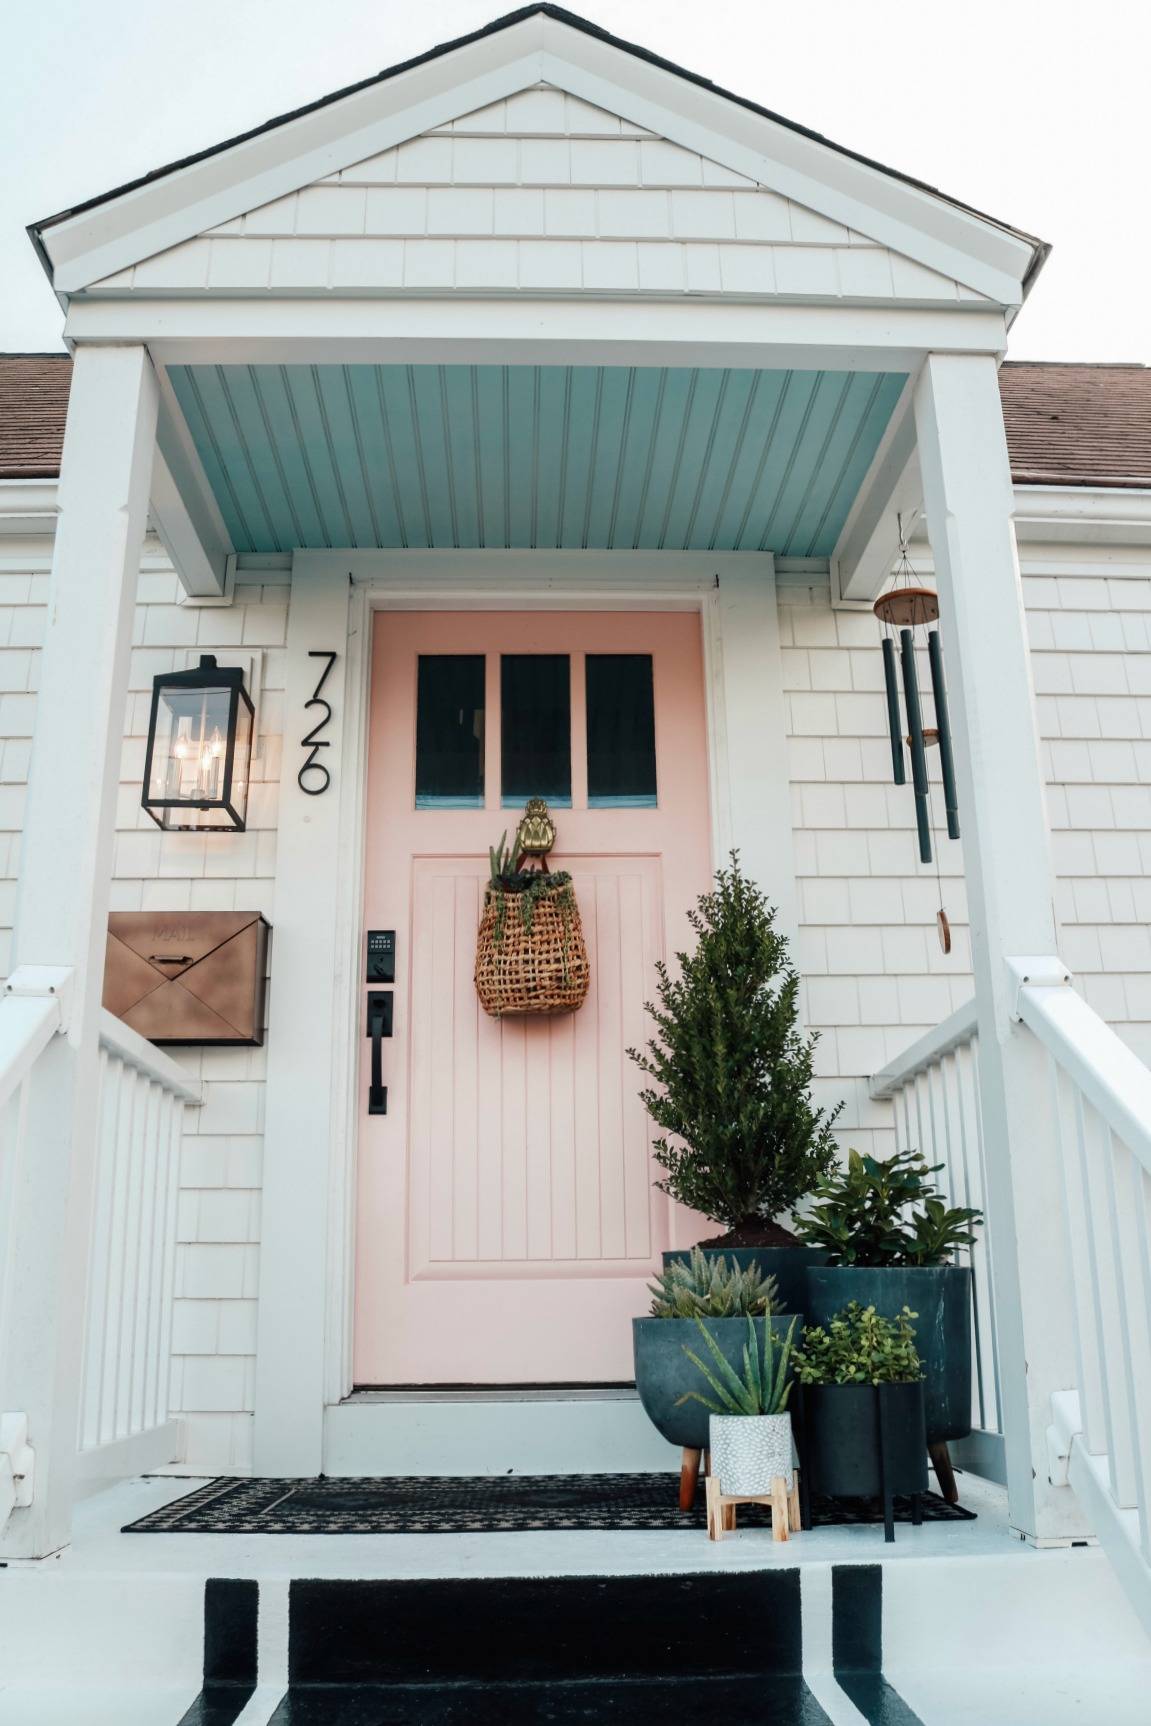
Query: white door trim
{"points": [[307, 1250]]}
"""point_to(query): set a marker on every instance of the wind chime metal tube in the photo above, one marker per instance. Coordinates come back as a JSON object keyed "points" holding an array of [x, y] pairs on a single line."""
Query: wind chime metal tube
{"points": [[918, 748], [898, 765], [943, 725]]}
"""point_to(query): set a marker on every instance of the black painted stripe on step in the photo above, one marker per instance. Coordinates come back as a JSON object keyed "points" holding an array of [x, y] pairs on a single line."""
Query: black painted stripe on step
{"points": [[747, 1701], [231, 1627], [217, 1705], [545, 1629], [857, 1645]]}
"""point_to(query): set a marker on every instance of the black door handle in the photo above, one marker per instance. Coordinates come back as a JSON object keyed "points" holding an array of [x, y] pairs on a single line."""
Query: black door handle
{"points": [[379, 1027]]}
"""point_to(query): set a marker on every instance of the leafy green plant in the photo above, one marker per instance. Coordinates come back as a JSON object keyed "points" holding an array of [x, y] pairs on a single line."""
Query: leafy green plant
{"points": [[859, 1346], [742, 1141], [700, 1287], [886, 1211], [765, 1383]]}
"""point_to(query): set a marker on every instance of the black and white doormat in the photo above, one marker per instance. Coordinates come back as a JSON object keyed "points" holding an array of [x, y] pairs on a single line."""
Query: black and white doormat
{"points": [[471, 1504]]}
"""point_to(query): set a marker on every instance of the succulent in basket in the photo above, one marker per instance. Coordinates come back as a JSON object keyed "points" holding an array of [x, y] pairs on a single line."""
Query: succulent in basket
{"points": [[702, 1287]]}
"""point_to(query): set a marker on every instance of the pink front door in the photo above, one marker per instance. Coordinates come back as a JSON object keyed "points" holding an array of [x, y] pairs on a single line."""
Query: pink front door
{"points": [[507, 1224]]}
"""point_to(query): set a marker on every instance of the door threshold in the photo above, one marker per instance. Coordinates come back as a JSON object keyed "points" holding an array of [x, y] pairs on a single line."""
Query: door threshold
{"points": [[443, 1393]]}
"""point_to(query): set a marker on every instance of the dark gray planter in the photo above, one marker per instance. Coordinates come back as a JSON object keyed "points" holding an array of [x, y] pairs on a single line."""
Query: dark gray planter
{"points": [[788, 1265], [941, 1296], [864, 1441], [663, 1372]]}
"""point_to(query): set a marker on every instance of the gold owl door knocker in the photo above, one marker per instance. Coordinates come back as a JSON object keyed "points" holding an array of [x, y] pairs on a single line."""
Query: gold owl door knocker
{"points": [[535, 835]]}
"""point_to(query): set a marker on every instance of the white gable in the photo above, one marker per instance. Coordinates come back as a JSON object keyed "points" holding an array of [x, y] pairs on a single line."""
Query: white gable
{"points": [[540, 192]]}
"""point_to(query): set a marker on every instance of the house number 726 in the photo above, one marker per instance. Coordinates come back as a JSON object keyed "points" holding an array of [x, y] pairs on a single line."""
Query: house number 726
{"points": [[313, 742]]}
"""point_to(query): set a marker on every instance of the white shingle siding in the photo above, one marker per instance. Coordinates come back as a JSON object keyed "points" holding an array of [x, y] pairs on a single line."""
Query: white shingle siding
{"points": [[464, 209], [217, 1261]]}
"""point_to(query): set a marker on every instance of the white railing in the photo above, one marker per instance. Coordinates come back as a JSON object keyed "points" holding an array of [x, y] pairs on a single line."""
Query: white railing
{"points": [[934, 1089], [124, 1416], [124, 1412], [27, 1026], [1101, 1433]]}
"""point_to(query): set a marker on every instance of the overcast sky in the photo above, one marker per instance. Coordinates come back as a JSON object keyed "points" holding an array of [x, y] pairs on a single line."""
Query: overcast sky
{"points": [[1034, 112]]}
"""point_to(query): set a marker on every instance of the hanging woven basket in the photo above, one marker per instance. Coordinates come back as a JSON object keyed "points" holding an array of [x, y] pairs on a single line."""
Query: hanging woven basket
{"points": [[530, 951]]}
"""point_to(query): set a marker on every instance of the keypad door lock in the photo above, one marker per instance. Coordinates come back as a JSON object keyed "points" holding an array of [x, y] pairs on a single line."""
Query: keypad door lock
{"points": [[379, 1027]]}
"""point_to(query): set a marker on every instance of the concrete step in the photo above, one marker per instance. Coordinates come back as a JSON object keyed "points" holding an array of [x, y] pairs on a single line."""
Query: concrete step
{"points": [[952, 1626]]}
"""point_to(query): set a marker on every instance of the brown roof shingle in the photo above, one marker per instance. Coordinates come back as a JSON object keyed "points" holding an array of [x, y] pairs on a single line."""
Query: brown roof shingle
{"points": [[1068, 425], [1076, 424], [33, 402]]}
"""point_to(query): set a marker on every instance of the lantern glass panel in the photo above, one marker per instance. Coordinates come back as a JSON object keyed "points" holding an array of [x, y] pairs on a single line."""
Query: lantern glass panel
{"points": [[200, 757]]}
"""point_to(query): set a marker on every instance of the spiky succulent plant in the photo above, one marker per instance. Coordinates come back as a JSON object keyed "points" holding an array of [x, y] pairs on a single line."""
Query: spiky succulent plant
{"points": [[702, 1287]]}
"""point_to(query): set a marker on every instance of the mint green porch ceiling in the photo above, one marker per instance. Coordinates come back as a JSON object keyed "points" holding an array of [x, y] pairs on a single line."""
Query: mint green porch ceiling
{"points": [[602, 458]]}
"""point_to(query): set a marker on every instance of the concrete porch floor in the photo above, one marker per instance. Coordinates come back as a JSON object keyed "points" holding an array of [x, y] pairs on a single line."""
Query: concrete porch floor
{"points": [[98, 1545], [977, 1626]]}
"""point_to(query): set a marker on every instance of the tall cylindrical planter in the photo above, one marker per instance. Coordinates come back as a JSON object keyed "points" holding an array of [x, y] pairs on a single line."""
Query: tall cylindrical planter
{"points": [[663, 1372], [749, 1452], [941, 1297], [788, 1265]]}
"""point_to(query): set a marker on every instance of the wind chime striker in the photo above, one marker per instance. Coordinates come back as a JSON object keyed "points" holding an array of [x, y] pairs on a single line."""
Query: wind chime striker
{"points": [[906, 607]]}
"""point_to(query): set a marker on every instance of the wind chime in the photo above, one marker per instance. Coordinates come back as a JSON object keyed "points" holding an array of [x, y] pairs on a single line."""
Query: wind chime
{"points": [[906, 607]]}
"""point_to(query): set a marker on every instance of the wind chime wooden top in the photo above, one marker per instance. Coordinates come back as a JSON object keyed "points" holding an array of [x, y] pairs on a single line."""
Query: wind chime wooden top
{"points": [[906, 607]]}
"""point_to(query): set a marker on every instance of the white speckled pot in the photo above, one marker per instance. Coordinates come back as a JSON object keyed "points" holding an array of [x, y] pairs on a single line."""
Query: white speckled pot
{"points": [[749, 1451]]}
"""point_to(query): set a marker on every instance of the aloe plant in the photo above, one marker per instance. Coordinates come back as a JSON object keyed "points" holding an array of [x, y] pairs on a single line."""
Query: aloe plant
{"points": [[764, 1385], [702, 1287]]}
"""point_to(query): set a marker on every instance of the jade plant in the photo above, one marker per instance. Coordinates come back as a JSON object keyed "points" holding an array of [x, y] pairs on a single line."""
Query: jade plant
{"points": [[859, 1346], [886, 1211], [701, 1287], [764, 1385], [741, 1139]]}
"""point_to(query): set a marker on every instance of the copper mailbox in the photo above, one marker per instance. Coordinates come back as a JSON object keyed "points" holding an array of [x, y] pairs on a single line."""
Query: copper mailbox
{"points": [[188, 976]]}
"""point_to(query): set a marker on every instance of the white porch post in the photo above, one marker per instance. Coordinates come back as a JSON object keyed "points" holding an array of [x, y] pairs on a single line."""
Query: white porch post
{"points": [[752, 790], [62, 907], [968, 497], [311, 1002]]}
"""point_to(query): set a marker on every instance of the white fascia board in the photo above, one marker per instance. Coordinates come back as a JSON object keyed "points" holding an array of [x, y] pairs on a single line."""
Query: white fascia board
{"points": [[27, 507], [891, 487], [557, 331], [98, 242], [201, 576], [1083, 515], [179, 205], [979, 253], [183, 506]]}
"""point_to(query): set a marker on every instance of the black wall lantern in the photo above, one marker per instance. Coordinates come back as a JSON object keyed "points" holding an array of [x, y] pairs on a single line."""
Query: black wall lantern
{"points": [[199, 756]]}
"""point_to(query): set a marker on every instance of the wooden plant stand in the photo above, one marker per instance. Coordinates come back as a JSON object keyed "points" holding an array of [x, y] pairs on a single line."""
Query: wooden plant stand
{"points": [[784, 1506]]}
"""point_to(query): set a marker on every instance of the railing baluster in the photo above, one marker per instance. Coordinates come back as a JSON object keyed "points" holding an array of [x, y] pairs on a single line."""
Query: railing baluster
{"points": [[1124, 1238], [1139, 1197], [983, 1252], [118, 1255], [1069, 1128], [1131, 1279]]}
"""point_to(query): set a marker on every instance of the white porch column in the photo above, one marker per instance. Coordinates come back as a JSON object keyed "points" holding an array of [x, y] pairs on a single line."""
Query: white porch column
{"points": [[968, 497], [62, 906], [303, 1295], [749, 723]]}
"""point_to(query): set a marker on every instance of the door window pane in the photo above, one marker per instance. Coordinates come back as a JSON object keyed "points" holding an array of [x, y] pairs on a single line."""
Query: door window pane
{"points": [[535, 728], [450, 731], [620, 731]]}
